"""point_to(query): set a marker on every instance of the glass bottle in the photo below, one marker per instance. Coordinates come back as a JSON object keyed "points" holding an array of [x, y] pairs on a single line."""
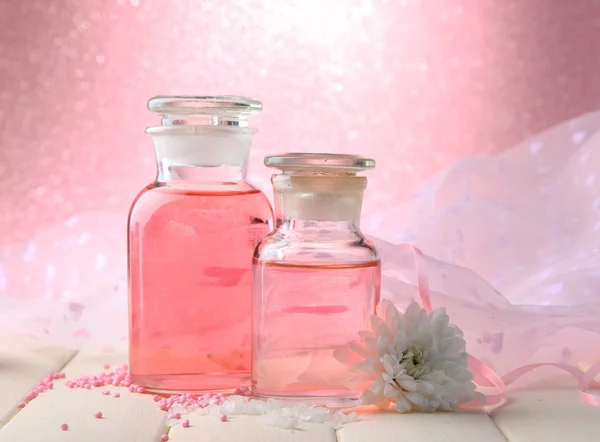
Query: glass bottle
{"points": [[192, 233], [316, 279]]}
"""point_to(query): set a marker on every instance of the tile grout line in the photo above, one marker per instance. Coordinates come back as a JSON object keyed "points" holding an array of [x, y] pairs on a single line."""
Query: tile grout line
{"points": [[495, 424], [16, 411], [337, 434]]}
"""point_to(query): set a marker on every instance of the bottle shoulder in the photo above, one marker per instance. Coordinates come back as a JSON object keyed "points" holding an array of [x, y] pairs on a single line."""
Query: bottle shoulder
{"points": [[158, 199], [289, 247]]}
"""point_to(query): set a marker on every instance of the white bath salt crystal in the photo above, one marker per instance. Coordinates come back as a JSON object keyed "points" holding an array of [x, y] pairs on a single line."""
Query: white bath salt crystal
{"points": [[178, 408], [273, 404], [254, 409], [215, 412], [202, 411], [275, 418], [238, 406], [307, 414], [275, 413], [338, 416], [229, 406], [333, 425], [318, 414], [345, 418]]}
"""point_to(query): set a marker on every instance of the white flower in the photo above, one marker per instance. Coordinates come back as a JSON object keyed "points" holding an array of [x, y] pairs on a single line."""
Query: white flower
{"points": [[416, 360]]}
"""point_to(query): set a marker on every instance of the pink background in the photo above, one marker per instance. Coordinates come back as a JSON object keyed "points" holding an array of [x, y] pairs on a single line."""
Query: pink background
{"points": [[418, 85], [415, 84]]}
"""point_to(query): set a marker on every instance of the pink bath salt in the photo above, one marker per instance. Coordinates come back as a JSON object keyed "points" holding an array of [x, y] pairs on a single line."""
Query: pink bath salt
{"points": [[116, 395], [185, 423], [105, 392], [164, 437], [177, 416], [22, 405], [223, 418], [106, 366], [64, 427], [156, 398], [140, 390], [98, 415]]}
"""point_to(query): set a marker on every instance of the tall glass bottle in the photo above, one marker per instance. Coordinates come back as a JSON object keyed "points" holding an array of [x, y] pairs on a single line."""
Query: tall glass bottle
{"points": [[316, 279], [191, 237]]}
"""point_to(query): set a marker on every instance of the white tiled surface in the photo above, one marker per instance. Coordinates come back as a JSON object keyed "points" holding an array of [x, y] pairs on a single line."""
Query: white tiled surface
{"points": [[529, 416]]}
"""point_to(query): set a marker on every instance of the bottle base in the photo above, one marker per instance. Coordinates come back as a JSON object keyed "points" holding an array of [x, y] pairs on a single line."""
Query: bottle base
{"points": [[331, 401], [192, 383]]}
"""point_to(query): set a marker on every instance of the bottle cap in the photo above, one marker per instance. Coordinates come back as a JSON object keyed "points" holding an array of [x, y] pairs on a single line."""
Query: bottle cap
{"points": [[217, 105], [319, 163]]}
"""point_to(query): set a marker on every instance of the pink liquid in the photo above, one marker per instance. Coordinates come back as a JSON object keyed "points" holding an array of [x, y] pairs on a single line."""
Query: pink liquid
{"points": [[190, 255], [302, 314]]}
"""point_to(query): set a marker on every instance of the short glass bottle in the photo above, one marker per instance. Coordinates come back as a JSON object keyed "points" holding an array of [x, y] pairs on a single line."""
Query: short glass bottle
{"points": [[191, 235], [316, 280]]}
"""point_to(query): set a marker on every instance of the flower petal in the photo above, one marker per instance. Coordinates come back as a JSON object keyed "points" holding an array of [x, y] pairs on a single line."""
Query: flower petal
{"points": [[371, 345], [369, 365], [420, 401], [376, 322], [359, 348], [384, 346], [357, 382], [346, 355], [425, 387], [383, 405], [388, 311], [391, 365], [402, 404], [370, 398], [390, 391], [387, 378], [366, 334], [400, 343], [406, 382]]}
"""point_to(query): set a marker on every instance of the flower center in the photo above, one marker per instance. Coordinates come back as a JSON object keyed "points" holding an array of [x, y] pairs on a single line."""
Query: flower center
{"points": [[414, 360]]}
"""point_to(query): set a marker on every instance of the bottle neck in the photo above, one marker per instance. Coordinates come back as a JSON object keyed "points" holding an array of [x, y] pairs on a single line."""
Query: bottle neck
{"points": [[194, 174], [200, 155], [333, 230], [320, 203]]}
